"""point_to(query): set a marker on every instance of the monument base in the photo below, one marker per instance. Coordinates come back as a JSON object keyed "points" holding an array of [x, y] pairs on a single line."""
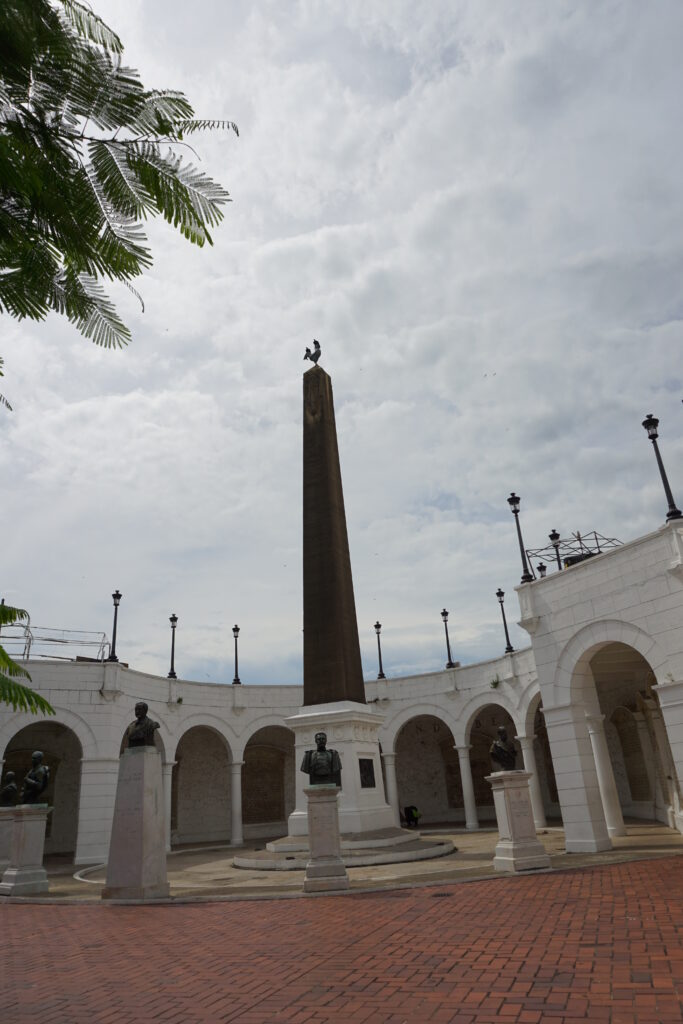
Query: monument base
{"points": [[518, 848], [25, 874], [325, 871], [136, 869], [351, 730]]}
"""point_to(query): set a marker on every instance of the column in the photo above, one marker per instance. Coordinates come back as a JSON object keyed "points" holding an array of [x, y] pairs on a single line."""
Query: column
{"points": [[236, 832], [167, 778], [603, 765], [99, 776], [577, 782], [471, 819], [529, 758], [668, 754], [392, 785]]}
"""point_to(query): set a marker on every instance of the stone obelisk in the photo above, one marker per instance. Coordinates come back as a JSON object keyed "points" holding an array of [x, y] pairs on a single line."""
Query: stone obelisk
{"points": [[332, 663], [334, 694]]}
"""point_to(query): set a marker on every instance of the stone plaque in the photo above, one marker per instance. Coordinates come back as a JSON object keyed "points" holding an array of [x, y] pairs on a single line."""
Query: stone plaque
{"points": [[367, 773]]}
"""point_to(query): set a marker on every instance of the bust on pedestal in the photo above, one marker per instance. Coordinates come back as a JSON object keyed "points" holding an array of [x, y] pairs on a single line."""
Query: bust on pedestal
{"points": [[518, 847], [24, 874], [325, 871], [136, 868]]}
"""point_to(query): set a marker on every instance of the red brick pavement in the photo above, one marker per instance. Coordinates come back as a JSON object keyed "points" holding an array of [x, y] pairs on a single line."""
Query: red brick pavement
{"points": [[599, 944]]}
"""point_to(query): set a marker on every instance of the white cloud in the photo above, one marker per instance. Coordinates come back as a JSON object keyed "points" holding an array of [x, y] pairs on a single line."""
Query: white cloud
{"points": [[477, 208]]}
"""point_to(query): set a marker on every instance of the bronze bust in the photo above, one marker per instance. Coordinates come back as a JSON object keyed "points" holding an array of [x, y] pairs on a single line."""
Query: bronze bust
{"points": [[140, 733], [322, 766], [35, 781], [8, 793], [503, 753]]}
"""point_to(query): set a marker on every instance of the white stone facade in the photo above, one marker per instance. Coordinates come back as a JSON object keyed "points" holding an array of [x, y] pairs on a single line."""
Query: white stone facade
{"points": [[605, 667]]}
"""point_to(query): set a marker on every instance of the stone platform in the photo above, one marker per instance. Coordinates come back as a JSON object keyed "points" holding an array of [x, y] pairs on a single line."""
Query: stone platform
{"points": [[386, 846]]}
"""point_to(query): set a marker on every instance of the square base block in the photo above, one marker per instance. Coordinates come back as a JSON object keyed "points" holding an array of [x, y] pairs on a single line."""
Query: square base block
{"points": [[6, 825], [518, 849], [325, 871], [25, 874], [136, 869]]}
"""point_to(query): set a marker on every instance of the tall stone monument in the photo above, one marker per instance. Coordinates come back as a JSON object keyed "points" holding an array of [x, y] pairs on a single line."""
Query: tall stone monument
{"points": [[136, 867], [334, 694]]}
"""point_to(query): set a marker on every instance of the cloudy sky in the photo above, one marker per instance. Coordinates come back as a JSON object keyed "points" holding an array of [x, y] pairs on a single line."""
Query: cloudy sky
{"points": [[477, 208]]}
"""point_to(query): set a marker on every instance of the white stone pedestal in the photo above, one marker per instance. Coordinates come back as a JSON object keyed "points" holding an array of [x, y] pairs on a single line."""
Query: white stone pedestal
{"points": [[325, 871], [518, 848], [6, 825], [25, 874], [351, 730], [137, 850]]}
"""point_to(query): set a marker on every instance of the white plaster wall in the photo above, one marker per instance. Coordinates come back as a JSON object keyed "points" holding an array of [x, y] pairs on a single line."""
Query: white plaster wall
{"points": [[203, 788]]}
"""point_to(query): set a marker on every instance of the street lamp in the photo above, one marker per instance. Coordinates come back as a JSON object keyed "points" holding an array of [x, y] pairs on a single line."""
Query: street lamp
{"points": [[378, 629], [236, 633], [450, 663], [500, 594], [174, 622], [541, 569], [116, 598], [513, 502], [651, 423], [555, 541]]}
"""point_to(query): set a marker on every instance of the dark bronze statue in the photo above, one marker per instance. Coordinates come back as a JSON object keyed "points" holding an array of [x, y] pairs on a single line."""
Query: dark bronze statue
{"points": [[322, 766], [503, 753], [35, 782], [314, 356], [8, 793], [140, 733]]}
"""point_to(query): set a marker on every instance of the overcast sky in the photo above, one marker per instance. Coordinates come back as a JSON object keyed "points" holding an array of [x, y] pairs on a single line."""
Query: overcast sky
{"points": [[477, 208]]}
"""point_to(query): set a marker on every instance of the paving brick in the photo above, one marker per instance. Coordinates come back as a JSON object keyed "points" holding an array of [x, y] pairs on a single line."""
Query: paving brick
{"points": [[602, 944]]}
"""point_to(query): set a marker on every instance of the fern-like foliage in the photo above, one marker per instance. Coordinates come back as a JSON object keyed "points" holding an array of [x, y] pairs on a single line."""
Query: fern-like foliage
{"points": [[87, 154], [12, 692]]}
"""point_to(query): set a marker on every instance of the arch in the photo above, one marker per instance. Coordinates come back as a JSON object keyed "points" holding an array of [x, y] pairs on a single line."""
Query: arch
{"points": [[476, 705], [428, 768], [63, 753], [215, 724], [268, 783], [389, 731], [63, 716], [264, 721], [200, 787], [573, 671], [530, 714], [482, 730], [639, 784]]}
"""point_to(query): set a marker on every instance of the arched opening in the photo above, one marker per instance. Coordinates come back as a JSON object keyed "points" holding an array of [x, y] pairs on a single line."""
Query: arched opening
{"points": [[634, 732], [483, 732], [428, 771], [268, 787], [200, 788], [544, 766], [62, 754]]}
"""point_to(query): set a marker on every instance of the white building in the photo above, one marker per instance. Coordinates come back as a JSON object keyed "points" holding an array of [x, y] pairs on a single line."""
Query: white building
{"points": [[596, 705]]}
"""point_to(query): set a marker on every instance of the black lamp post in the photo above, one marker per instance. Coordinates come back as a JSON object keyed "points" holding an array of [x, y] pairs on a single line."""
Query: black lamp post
{"points": [[541, 569], [236, 633], [378, 629], [651, 423], [174, 622], [500, 594], [555, 541], [513, 502], [450, 663], [116, 598]]}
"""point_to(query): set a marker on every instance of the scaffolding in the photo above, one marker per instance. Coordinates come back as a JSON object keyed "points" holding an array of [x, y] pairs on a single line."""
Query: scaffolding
{"points": [[568, 551]]}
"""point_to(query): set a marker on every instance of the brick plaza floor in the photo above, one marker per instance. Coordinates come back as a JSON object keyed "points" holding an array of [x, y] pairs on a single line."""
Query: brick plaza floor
{"points": [[597, 944]]}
